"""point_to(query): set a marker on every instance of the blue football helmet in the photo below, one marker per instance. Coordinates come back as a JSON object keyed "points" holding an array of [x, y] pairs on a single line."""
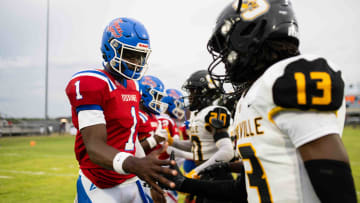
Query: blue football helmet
{"points": [[126, 47], [175, 101], [152, 91]]}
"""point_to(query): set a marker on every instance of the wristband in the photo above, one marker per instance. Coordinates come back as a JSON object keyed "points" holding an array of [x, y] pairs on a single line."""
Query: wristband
{"points": [[119, 160], [152, 142]]}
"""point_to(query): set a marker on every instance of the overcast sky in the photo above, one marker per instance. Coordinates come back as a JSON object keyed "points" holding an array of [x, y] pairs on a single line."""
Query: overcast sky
{"points": [[178, 31]]}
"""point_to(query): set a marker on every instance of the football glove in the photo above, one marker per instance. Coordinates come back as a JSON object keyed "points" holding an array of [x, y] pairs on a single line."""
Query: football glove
{"points": [[192, 174], [178, 179], [217, 168]]}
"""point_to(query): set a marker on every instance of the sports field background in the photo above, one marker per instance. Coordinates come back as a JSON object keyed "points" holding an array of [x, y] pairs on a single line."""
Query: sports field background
{"points": [[43, 168]]}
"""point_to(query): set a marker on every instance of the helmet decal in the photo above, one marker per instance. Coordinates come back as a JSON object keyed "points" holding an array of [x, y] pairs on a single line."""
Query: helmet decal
{"points": [[173, 94], [251, 9], [115, 28], [147, 80]]}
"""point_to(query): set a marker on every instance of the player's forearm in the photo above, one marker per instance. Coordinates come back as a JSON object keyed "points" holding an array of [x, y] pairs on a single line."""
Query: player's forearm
{"points": [[180, 153], [99, 151], [329, 170], [225, 153], [182, 144]]}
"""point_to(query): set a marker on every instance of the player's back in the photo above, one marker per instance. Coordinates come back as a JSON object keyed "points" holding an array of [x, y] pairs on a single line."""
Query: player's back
{"points": [[275, 170]]}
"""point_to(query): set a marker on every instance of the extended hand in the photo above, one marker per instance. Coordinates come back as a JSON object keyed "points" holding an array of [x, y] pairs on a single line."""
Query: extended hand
{"points": [[179, 178], [151, 170]]}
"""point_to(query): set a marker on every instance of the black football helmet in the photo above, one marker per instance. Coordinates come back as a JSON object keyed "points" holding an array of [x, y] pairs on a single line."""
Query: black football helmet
{"points": [[241, 31], [201, 90]]}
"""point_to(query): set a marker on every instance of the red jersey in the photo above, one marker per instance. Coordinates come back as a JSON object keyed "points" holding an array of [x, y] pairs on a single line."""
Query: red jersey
{"points": [[147, 126], [98, 90], [169, 124]]}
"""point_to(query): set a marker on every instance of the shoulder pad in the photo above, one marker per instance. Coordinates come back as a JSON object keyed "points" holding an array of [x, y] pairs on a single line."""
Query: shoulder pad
{"points": [[218, 118], [309, 85], [98, 75]]}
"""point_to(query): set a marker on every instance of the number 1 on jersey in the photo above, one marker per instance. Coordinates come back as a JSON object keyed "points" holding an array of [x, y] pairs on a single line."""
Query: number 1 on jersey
{"points": [[129, 146], [77, 88]]}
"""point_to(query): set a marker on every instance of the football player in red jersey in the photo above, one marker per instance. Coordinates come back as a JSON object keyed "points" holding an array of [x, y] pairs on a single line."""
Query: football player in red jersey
{"points": [[174, 114], [151, 132], [105, 111], [154, 128]]}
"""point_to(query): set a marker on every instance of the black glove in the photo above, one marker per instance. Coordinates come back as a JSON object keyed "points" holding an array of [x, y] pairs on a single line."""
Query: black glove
{"points": [[215, 169], [179, 178]]}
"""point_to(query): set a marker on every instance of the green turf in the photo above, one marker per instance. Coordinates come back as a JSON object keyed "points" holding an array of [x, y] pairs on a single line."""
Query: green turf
{"points": [[47, 172]]}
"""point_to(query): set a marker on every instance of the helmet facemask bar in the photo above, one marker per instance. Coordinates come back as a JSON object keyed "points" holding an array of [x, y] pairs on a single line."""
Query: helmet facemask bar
{"points": [[178, 111], [128, 69], [156, 104], [217, 48]]}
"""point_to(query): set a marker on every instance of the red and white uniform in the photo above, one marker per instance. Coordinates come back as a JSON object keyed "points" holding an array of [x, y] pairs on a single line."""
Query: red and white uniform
{"points": [[169, 124], [99, 91], [147, 126]]}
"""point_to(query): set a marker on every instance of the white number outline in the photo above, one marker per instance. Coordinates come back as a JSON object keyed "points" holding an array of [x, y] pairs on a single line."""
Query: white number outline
{"points": [[129, 146]]}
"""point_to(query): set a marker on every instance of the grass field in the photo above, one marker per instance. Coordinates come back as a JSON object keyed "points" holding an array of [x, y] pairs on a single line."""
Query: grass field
{"points": [[43, 168]]}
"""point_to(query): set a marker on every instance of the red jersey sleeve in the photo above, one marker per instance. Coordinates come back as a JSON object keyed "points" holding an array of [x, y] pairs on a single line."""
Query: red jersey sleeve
{"points": [[88, 89]]}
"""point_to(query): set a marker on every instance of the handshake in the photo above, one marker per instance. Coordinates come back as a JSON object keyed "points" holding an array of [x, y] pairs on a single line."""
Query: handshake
{"points": [[179, 179]]}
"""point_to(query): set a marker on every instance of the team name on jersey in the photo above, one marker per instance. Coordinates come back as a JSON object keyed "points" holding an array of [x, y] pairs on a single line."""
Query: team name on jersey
{"points": [[194, 130], [129, 97], [250, 127]]}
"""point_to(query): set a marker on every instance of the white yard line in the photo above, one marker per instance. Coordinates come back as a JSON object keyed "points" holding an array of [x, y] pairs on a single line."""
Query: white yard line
{"points": [[40, 155], [6, 177]]}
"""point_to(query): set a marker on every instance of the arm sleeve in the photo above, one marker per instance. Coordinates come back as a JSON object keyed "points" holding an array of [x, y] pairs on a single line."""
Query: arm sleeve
{"points": [[180, 153], [225, 153], [229, 190], [313, 125], [90, 117], [184, 145]]}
